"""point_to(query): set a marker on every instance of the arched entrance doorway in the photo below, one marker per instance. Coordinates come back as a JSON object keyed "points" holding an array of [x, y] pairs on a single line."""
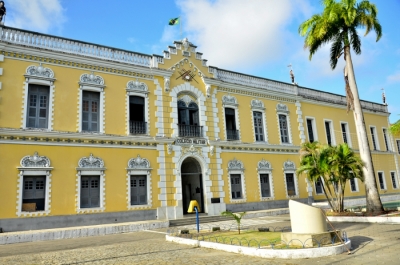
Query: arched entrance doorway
{"points": [[192, 183]]}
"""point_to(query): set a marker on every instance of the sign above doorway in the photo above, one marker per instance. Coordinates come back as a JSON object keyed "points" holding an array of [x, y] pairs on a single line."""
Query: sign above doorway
{"points": [[190, 141]]}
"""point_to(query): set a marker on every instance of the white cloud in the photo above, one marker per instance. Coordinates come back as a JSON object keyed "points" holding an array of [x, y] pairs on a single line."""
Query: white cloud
{"points": [[237, 33], [394, 78], [132, 40], [40, 15]]}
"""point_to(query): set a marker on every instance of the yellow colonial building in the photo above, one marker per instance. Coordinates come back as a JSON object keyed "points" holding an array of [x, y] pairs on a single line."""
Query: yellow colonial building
{"points": [[91, 134]]}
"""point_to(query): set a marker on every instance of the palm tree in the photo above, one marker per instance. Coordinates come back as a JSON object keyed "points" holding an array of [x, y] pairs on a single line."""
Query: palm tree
{"points": [[344, 165], [338, 24], [236, 216]]}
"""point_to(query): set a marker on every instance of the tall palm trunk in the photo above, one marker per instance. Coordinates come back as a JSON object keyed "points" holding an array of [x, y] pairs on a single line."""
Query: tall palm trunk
{"points": [[374, 203]]}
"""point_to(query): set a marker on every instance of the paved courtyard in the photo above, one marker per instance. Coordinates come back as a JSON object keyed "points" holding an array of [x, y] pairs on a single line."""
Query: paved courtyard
{"points": [[372, 244]]}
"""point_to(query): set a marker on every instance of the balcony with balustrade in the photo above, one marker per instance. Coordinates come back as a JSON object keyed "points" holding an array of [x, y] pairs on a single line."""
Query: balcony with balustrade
{"points": [[232, 135], [137, 127], [190, 130]]}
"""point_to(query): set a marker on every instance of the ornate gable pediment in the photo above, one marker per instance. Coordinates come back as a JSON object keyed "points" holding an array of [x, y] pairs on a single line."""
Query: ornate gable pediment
{"points": [[289, 165], [40, 72], [91, 162], [264, 165], [229, 100], [137, 86], [282, 108], [257, 104], [91, 80], [138, 163], [235, 165], [35, 161]]}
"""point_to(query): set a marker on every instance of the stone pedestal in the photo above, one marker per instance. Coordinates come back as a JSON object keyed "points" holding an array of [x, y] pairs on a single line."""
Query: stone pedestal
{"points": [[311, 240]]}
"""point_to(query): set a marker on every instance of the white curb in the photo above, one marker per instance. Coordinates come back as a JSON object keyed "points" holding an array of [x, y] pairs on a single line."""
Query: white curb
{"points": [[266, 253], [365, 219]]}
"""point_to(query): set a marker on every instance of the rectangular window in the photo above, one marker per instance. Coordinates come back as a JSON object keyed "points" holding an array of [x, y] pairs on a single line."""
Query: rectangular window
{"points": [[38, 107], [344, 132], [138, 190], [230, 122], [236, 186], [372, 129], [90, 111], [291, 190], [398, 145], [258, 126], [90, 191], [265, 186], [137, 124], [385, 139], [318, 187], [283, 126], [328, 131], [353, 185], [381, 181], [33, 194], [310, 130], [394, 181]]}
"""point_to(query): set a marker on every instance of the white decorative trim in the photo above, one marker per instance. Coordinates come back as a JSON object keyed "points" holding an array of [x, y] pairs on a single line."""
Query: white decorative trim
{"points": [[258, 106], [282, 108], [159, 124], [237, 120], [38, 75], [383, 178], [166, 83], [388, 142], [299, 113], [333, 138], [214, 102], [356, 184], [395, 179], [314, 127], [186, 61], [290, 167], [236, 167], [34, 166], [162, 183], [264, 167], [288, 125], [348, 134], [137, 87], [95, 83], [181, 91], [90, 166], [139, 166], [229, 100]]}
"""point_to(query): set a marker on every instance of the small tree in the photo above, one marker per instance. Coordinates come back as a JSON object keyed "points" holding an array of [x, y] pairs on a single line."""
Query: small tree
{"points": [[395, 128], [236, 216]]}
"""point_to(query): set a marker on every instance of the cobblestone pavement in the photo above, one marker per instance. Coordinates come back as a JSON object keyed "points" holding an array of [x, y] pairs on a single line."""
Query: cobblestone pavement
{"points": [[372, 244]]}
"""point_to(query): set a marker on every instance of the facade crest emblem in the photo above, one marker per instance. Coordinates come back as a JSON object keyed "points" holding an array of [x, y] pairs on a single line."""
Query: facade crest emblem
{"points": [[289, 165], [92, 79], [235, 165], [35, 161], [229, 100], [191, 150], [91, 162], [138, 163], [40, 71], [264, 165]]}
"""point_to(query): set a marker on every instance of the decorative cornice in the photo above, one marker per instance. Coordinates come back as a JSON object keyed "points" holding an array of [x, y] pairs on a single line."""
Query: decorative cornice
{"points": [[264, 165], [35, 161], [254, 92], [91, 80], [138, 163], [40, 71], [91, 162], [257, 104], [282, 108], [235, 165], [136, 86]]}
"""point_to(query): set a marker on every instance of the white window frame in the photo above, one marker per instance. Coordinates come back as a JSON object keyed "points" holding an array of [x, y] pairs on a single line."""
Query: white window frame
{"points": [[93, 86], [383, 178], [314, 128], [139, 89], [236, 167], [38, 75], [90, 169], [387, 142], [264, 167], [395, 179], [333, 138], [39, 168], [139, 166], [356, 184], [229, 101], [290, 167], [258, 106], [374, 138], [398, 145], [348, 135], [282, 109]]}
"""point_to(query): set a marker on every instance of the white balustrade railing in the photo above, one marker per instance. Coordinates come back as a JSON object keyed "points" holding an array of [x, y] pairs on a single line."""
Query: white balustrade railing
{"points": [[43, 41], [252, 81]]}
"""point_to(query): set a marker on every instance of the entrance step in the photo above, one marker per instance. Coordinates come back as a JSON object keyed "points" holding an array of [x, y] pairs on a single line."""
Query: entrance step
{"points": [[203, 219]]}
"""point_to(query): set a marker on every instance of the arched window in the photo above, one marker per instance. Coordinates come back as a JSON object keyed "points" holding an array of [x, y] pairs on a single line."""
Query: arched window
{"points": [[188, 119]]}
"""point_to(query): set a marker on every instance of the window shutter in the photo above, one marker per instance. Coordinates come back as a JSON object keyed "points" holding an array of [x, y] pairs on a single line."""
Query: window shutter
{"points": [[258, 126]]}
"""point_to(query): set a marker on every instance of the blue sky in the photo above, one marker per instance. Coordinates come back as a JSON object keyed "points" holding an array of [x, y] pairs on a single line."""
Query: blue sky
{"points": [[256, 37]]}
